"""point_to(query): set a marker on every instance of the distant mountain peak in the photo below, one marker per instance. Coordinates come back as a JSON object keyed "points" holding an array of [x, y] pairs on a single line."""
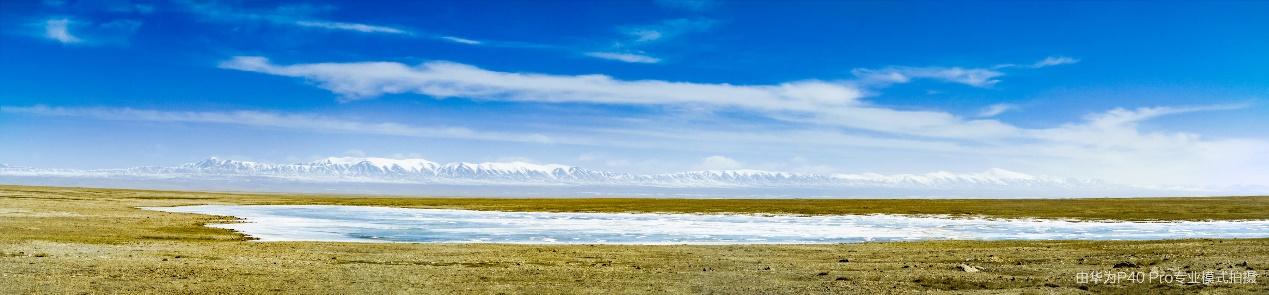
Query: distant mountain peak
{"points": [[423, 171]]}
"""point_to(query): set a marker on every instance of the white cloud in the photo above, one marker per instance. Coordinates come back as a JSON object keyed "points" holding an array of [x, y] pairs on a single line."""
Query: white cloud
{"points": [[977, 77], [802, 101], [364, 28], [280, 120], [996, 109], [1043, 63], [638, 36], [460, 40], [624, 57], [70, 31], [645, 35], [447, 79], [1110, 145], [667, 29], [719, 163], [1054, 61], [1118, 127], [58, 29], [817, 102], [293, 15], [1110, 141]]}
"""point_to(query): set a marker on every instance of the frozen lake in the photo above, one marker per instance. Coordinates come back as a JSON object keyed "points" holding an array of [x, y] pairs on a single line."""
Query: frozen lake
{"points": [[383, 224]]}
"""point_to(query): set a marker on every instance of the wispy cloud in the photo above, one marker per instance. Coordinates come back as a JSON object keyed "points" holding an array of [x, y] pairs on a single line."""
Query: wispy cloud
{"points": [[293, 15], [813, 103], [448, 79], [71, 31], [58, 29], [717, 162], [625, 57], [279, 120], [818, 102], [1043, 63], [996, 110], [1054, 61], [640, 36], [667, 29], [461, 40], [306, 16], [1123, 122], [977, 77], [1112, 142], [364, 28]]}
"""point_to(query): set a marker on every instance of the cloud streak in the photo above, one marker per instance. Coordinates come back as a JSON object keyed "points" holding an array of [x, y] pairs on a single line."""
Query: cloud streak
{"points": [[460, 40], [977, 77], [667, 29], [278, 120], [1054, 61], [70, 31], [1043, 63], [58, 29], [355, 27], [996, 110], [297, 16], [447, 79], [624, 57], [639, 36], [821, 102]]}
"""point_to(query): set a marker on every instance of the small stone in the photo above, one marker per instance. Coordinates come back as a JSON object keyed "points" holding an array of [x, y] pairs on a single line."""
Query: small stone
{"points": [[1125, 264], [843, 260], [967, 268], [822, 274]]}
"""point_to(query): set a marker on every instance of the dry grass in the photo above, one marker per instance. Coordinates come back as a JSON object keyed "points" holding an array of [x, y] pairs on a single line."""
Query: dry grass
{"points": [[70, 240]]}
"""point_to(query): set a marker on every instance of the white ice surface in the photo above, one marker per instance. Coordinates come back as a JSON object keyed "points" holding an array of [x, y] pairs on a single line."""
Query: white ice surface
{"points": [[383, 224]]}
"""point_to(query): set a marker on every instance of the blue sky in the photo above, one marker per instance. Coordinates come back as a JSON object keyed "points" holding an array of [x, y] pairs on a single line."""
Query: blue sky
{"points": [[1160, 93]]}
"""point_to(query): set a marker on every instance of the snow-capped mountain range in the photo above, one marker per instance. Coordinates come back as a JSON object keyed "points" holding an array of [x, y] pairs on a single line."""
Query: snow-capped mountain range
{"points": [[380, 170]]}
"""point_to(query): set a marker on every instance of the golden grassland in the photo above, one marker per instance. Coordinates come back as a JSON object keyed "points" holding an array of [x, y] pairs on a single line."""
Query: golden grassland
{"points": [[78, 240]]}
